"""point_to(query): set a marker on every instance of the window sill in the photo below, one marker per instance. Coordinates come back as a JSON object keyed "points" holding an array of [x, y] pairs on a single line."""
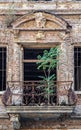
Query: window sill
{"points": [[1, 92], [78, 92]]}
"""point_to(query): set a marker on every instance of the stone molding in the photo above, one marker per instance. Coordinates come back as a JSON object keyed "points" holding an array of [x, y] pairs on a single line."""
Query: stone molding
{"points": [[40, 19], [40, 26]]}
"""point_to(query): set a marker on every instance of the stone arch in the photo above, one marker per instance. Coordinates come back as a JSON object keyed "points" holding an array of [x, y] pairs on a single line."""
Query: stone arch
{"points": [[40, 25], [40, 19]]}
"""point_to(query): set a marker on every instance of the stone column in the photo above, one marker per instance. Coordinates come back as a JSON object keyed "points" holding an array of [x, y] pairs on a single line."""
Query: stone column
{"points": [[10, 57], [17, 99], [65, 69]]}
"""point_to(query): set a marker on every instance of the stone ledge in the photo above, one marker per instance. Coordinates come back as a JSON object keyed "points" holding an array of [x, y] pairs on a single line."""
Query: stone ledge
{"points": [[29, 5], [4, 116], [76, 116], [39, 109], [3, 113]]}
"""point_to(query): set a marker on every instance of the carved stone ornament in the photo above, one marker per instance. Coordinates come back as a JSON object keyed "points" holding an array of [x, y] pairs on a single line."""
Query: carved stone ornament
{"points": [[16, 33], [40, 20], [40, 35], [14, 118], [7, 97]]}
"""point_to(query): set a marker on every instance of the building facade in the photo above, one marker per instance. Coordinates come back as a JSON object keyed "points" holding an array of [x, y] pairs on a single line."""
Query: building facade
{"points": [[27, 28]]}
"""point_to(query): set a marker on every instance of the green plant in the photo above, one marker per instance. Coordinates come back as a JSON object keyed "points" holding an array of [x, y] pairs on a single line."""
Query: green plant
{"points": [[48, 62]]}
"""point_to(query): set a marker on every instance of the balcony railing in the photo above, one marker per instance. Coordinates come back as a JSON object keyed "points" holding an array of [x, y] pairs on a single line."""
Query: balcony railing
{"points": [[34, 93]]}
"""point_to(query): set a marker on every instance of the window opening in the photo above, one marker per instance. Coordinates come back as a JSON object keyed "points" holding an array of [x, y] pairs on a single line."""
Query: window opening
{"points": [[2, 68], [77, 68], [30, 67], [34, 94]]}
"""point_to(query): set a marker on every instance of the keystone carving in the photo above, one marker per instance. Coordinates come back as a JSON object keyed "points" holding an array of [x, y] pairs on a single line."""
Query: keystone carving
{"points": [[40, 20], [40, 35]]}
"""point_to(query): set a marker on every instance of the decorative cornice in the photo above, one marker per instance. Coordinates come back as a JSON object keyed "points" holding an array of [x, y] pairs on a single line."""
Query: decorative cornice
{"points": [[61, 7]]}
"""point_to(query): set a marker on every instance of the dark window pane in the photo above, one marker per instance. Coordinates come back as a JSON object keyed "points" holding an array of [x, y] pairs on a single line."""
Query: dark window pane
{"points": [[4, 63], [32, 53], [31, 72], [0, 55], [30, 68], [0, 73], [0, 49], [2, 68], [77, 68], [79, 49], [0, 65], [75, 49]]}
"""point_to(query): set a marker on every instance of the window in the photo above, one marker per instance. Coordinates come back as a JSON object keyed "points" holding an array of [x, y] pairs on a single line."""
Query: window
{"points": [[32, 93], [77, 68], [30, 67], [2, 68]]}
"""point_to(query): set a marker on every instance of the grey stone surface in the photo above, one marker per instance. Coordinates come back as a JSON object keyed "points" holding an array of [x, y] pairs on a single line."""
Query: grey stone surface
{"points": [[77, 110], [1, 127], [5, 127], [2, 109]]}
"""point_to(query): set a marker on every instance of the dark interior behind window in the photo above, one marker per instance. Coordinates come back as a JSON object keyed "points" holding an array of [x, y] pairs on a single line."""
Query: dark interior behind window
{"points": [[30, 68], [77, 68], [2, 68]]}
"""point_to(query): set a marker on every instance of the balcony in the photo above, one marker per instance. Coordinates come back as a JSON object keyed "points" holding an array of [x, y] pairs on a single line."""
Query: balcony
{"points": [[35, 93], [30, 97]]}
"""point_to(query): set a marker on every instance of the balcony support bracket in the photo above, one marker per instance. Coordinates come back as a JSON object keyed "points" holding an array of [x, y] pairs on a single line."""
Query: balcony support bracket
{"points": [[14, 118]]}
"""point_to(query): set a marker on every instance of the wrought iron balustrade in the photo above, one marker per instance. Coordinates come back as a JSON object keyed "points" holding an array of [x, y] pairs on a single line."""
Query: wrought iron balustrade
{"points": [[33, 93]]}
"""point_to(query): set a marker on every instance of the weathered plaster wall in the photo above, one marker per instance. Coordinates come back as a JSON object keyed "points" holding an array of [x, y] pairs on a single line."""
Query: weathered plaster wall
{"points": [[67, 41], [68, 11]]}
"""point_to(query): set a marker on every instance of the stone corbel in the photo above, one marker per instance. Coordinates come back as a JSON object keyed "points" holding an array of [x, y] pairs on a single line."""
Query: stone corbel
{"points": [[14, 118]]}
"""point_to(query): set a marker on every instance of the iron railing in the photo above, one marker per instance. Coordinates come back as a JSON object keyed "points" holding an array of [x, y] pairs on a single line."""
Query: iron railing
{"points": [[34, 93]]}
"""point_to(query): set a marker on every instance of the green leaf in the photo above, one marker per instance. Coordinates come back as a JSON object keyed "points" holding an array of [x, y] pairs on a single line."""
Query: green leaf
{"points": [[47, 62]]}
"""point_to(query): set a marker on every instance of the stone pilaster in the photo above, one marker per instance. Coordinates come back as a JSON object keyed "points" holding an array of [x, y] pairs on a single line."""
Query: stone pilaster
{"points": [[65, 69], [9, 56], [16, 74]]}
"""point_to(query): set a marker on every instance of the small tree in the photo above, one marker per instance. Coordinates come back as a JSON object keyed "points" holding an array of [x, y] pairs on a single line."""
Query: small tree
{"points": [[48, 62]]}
